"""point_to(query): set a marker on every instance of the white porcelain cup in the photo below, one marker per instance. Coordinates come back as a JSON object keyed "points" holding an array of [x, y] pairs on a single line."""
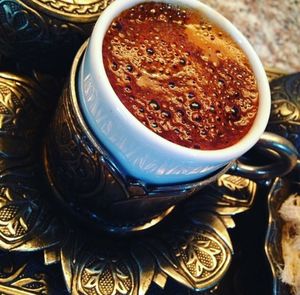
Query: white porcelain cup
{"points": [[139, 152]]}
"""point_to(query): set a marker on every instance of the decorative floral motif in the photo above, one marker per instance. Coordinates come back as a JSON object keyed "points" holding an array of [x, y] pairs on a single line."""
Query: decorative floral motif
{"points": [[200, 256], [21, 280], [17, 283], [25, 223], [192, 246], [73, 8], [235, 183], [91, 267], [193, 257], [107, 277], [15, 110], [190, 253], [231, 194], [285, 114], [24, 220]]}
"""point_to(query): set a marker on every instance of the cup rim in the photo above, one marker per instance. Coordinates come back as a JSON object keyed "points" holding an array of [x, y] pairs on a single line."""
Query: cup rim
{"points": [[217, 156]]}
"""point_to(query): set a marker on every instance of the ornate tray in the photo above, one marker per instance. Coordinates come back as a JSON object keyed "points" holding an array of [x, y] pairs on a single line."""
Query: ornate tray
{"points": [[204, 246], [46, 252]]}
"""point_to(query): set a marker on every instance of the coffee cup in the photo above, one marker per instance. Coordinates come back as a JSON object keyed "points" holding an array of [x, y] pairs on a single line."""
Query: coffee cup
{"points": [[140, 152], [105, 165]]}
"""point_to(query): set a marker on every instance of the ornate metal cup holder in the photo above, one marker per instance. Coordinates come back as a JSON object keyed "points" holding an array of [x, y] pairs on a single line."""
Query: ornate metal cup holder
{"points": [[192, 245]]}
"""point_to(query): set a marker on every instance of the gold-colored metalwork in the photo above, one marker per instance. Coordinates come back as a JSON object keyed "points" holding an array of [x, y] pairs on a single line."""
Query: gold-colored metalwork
{"points": [[20, 280], [192, 246], [230, 195], [79, 10], [25, 222], [274, 73], [46, 33]]}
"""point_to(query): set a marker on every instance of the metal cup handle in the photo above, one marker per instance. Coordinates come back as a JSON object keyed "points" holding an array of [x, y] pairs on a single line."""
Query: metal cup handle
{"points": [[283, 153]]}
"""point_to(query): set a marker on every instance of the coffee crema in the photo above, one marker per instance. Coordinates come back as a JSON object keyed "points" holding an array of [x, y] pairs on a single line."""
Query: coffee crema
{"points": [[180, 75]]}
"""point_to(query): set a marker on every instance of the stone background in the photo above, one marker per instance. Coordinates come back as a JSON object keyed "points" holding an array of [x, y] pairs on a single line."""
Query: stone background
{"points": [[272, 26]]}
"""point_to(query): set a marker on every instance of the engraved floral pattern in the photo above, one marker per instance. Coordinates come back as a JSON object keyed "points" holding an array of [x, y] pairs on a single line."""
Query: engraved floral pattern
{"points": [[80, 169], [79, 8], [15, 215], [192, 247], [22, 211], [16, 281], [201, 256], [107, 276], [285, 114]]}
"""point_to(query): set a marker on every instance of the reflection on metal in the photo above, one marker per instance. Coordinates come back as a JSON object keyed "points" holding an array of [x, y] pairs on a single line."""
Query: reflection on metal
{"points": [[231, 194], [185, 248], [283, 152], [285, 114], [25, 222], [273, 73], [52, 255], [80, 10], [192, 246], [21, 279]]}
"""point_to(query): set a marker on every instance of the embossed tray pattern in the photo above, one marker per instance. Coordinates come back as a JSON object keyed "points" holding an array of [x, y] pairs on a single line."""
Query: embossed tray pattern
{"points": [[191, 248]]}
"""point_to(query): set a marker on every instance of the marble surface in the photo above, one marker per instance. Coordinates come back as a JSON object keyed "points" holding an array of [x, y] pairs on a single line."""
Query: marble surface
{"points": [[272, 26]]}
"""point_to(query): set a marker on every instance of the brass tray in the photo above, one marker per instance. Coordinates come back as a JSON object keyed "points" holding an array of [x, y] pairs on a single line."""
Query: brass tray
{"points": [[46, 252]]}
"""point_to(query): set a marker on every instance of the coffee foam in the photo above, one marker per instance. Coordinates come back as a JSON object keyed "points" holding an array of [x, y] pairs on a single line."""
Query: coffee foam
{"points": [[203, 89]]}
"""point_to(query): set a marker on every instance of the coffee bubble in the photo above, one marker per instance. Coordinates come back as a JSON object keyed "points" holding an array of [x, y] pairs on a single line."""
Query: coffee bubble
{"points": [[154, 105], [180, 75], [195, 105]]}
